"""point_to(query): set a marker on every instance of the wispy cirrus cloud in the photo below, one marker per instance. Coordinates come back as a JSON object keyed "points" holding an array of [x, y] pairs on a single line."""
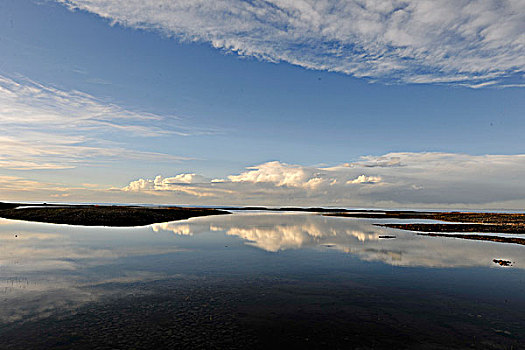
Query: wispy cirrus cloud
{"points": [[26, 101], [466, 42], [19, 188], [48, 128]]}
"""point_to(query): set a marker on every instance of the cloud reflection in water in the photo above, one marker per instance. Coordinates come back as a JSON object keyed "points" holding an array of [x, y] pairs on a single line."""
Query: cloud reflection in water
{"points": [[46, 267], [278, 232]]}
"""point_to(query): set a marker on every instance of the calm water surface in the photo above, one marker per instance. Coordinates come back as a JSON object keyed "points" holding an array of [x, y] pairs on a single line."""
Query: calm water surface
{"points": [[256, 280]]}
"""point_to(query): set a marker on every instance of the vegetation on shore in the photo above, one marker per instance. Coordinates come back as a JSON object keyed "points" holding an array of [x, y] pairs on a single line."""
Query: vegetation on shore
{"points": [[453, 216], [509, 223], [486, 228], [103, 215], [499, 239]]}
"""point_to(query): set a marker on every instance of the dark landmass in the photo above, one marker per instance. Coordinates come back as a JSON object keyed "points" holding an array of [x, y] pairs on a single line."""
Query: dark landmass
{"points": [[514, 240], [94, 215], [469, 222], [485, 218], [106, 215], [487, 228]]}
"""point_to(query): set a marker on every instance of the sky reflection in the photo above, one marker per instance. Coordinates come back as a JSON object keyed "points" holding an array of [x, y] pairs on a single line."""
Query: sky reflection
{"points": [[278, 232], [47, 267]]}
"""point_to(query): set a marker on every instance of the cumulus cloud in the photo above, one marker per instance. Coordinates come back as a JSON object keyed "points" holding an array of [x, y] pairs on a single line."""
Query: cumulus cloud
{"points": [[399, 179], [470, 42], [179, 183], [363, 179], [47, 128], [402, 180], [280, 174], [164, 184]]}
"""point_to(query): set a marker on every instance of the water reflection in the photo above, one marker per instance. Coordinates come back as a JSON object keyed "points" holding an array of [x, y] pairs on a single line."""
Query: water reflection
{"points": [[279, 232], [46, 267]]}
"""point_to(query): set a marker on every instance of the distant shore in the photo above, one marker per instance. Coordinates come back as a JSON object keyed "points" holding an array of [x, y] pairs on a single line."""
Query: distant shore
{"points": [[464, 222], [100, 215], [129, 215]]}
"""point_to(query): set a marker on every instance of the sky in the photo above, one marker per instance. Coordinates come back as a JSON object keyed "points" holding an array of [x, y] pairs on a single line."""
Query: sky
{"points": [[356, 103]]}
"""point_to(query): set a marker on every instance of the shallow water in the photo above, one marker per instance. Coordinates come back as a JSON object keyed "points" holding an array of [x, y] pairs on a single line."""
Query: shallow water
{"points": [[256, 279]]}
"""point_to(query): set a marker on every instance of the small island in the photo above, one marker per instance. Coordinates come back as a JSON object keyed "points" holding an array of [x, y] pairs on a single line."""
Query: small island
{"points": [[101, 215]]}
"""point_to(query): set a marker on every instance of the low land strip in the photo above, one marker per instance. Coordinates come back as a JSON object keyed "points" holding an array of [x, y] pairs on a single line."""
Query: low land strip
{"points": [[104, 215]]}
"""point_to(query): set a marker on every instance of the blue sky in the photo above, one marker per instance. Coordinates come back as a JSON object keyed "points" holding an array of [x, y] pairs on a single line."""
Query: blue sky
{"points": [[287, 88]]}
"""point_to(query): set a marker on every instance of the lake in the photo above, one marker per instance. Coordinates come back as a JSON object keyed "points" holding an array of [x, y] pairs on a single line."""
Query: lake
{"points": [[256, 280]]}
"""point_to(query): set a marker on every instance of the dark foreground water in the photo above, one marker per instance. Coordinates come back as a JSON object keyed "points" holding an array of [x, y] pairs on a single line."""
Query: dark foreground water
{"points": [[257, 280]]}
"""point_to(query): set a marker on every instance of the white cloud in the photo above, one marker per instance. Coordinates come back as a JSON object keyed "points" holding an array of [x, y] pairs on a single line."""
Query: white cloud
{"points": [[280, 174], [178, 183], [17, 183], [47, 128], [392, 180], [184, 179], [31, 102], [178, 229], [399, 179], [24, 189], [363, 179], [164, 184], [472, 42]]}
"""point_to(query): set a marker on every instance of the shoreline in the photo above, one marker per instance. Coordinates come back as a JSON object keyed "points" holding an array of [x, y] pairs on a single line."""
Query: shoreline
{"points": [[135, 215], [95, 215], [513, 223], [461, 222], [497, 239], [470, 227]]}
